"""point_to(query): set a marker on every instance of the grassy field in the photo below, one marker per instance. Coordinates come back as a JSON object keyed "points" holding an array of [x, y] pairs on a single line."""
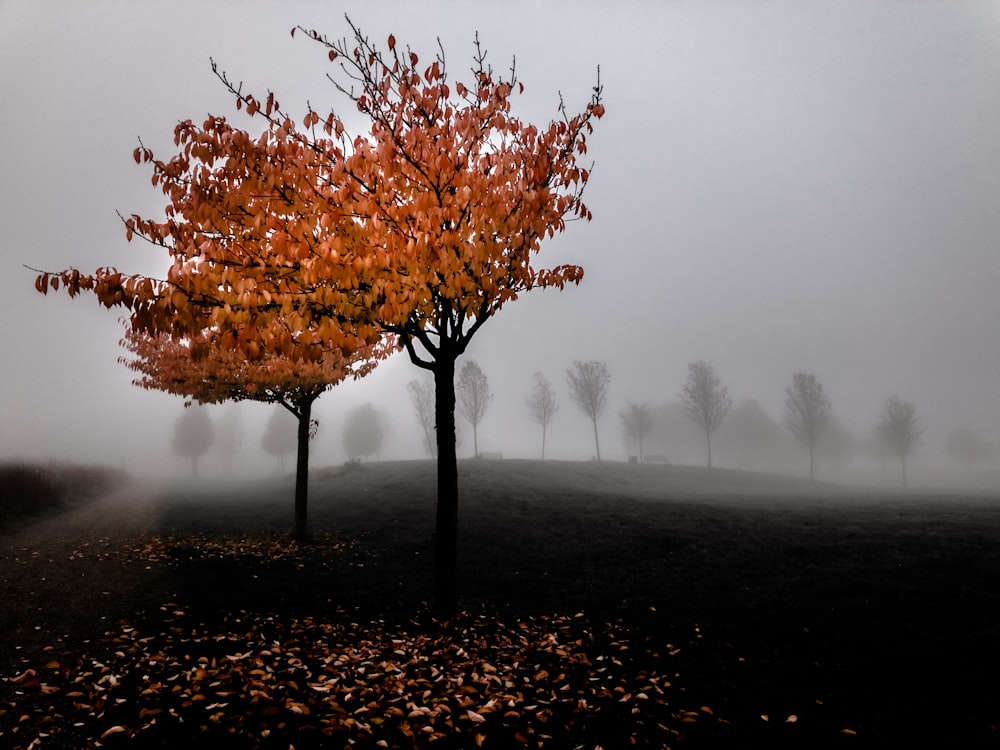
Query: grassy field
{"points": [[603, 604]]}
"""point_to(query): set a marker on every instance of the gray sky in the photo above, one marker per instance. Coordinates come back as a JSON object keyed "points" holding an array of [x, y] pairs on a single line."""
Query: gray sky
{"points": [[779, 186]]}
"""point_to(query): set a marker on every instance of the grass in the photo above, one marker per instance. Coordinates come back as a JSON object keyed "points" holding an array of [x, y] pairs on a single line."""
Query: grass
{"points": [[765, 612]]}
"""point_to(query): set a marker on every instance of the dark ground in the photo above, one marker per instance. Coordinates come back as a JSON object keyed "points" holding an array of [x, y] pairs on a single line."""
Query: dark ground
{"points": [[873, 612]]}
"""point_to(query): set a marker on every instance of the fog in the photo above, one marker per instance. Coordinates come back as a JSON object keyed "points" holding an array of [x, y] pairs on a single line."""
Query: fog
{"points": [[778, 187]]}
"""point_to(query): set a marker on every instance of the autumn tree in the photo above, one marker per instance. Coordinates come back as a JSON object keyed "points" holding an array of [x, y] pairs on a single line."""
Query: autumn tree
{"points": [[193, 434], [203, 369], [706, 401], [474, 397], [588, 389], [423, 224], [280, 436], [807, 413], [900, 428], [364, 431], [422, 398], [542, 405], [967, 447]]}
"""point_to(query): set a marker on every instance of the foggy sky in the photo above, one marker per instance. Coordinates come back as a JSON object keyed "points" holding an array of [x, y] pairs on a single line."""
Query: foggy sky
{"points": [[778, 187]]}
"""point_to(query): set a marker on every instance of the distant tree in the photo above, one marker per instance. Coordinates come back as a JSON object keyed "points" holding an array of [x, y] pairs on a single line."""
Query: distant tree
{"points": [[900, 428], [966, 447], [193, 434], [638, 421], [542, 405], [422, 398], [837, 446], [474, 397], [750, 438], [280, 437], [807, 413], [228, 430], [588, 389], [705, 400], [364, 432]]}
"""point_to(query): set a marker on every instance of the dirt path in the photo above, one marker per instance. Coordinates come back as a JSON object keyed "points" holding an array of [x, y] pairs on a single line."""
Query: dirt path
{"points": [[66, 578]]}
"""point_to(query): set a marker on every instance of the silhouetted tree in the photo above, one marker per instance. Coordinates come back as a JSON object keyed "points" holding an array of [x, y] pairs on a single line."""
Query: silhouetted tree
{"points": [[193, 434], [474, 396], [965, 446], [280, 437], [900, 427], [588, 389], [705, 400], [807, 413], [638, 421], [364, 432], [837, 446], [542, 405], [422, 398]]}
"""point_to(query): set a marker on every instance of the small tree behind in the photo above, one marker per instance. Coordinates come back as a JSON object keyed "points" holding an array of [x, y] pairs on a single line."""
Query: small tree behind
{"points": [[280, 437], [588, 389], [638, 421], [705, 400], [422, 398], [807, 413], [899, 426], [193, 434], [542, 405], [364, 432], [474, 397]]}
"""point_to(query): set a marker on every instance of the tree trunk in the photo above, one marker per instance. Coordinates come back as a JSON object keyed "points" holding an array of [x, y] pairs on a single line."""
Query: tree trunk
{"points": [[597, 443], [446, 530], [640, 448], [543, 442], [302, 469], [708, 443], [812, 462], [902, 461], [475, 440]]}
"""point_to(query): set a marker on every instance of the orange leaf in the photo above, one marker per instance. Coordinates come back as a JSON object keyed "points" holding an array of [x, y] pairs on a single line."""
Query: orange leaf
{"points": [[392, 42]]}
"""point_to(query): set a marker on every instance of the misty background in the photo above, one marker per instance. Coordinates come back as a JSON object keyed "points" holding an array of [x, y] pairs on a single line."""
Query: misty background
{"points": [[778, 187]]}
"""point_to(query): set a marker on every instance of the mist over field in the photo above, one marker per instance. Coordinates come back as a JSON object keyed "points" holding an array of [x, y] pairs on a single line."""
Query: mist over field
{"points": [[777, 188]]}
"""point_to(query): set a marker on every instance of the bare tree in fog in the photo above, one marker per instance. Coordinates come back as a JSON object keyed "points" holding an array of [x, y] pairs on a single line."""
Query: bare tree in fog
{"points": [[638, 421], [900, 427], [193, 434], [966, 447], [705, 400], [422, 398], [588, 389], [472, 388], [364, 432], [280, 437], [542, 405], [807, 412]]}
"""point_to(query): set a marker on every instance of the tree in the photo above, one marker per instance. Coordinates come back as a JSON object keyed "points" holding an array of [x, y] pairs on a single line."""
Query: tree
{"points": [[424, 225], [705, 400], [474, 397], [229, 430], [422, 398], [900, 428], [750, 438], [193, 434], [280, 436], [807, 413], [588, 389], [965, 446], [364, 432], [202, 368], [638, 421], [542, 405]]}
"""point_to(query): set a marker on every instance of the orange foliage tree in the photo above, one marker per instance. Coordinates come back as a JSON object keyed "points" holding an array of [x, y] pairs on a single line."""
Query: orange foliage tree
{"points": [[424, 226], [198, 369]]}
